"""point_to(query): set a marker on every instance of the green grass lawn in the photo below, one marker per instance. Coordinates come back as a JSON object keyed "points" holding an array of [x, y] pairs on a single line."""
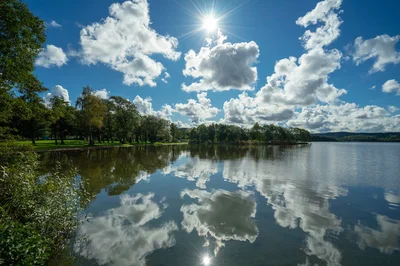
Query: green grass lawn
{"points": [[50, 145]]}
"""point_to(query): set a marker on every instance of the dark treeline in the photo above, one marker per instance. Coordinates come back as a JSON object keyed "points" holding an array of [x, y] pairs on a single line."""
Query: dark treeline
{"points": [[359, 137], [220, 133]]}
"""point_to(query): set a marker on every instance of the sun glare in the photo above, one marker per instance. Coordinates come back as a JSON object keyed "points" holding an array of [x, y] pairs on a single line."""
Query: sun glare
{"points": [[210, 23], [206, 260]]}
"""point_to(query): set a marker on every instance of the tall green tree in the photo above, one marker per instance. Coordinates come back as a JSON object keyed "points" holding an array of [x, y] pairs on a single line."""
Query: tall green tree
{"points": [[60, 115], [92, 111], [21, 37], [126, 118]]}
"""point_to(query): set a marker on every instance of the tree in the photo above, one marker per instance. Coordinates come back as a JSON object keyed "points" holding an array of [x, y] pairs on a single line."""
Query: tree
{"points": [[155, 129], [109, 120], [126, 118], [60, 114], [21, 38], [92, 112], [175, 134]]}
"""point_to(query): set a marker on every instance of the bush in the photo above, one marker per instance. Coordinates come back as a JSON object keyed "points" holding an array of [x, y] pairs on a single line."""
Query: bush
{"points": [[38, 213]]}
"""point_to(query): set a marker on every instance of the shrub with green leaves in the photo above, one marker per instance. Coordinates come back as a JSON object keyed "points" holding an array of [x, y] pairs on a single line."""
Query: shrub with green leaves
{"points": [[38, 214]]}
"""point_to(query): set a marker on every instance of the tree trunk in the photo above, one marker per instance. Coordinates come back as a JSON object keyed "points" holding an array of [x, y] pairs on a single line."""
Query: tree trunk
{"points": [[61, 132], [55, 133]]}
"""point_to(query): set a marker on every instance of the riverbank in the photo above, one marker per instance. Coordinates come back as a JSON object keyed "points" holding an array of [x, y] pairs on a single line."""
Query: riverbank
{"points": [[49, 145]]}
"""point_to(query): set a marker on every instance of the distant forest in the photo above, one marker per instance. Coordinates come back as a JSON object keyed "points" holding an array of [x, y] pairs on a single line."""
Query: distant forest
{"points": [[349, 136]]}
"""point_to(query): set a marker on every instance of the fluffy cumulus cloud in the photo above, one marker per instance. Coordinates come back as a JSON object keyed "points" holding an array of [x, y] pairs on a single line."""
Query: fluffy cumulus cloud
{"points": [[212, 216], [145, 107], [324, 12], [391, 86], [51, 56], [222, 66], [346, 117], [381, 48], [53, 24], [58, 91], [102, 94], [296, 82], [125, 42], [304, 81], [123, 235], [392, 108], [197, 110], [248, 110]]}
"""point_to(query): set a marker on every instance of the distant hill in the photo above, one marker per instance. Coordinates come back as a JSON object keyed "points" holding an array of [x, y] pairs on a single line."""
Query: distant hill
{"points": [[350, 136]]}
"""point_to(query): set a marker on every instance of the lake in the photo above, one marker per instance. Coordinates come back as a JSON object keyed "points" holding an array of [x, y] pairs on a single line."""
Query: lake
{"points": [[319, 204]]}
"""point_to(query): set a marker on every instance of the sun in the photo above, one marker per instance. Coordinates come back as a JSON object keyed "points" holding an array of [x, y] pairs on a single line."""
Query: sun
{"points": [[210, 23], [206, 260]]}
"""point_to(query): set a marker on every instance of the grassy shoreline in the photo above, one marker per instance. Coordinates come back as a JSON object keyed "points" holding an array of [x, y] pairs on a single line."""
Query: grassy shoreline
{"points": [[49, 145]]}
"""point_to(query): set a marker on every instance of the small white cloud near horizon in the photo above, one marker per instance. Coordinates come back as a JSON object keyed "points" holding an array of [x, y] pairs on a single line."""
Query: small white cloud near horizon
{"points": [[51, 56], [59, 91], [197, 110], [145, 107], [52, 24], [391, 86], [102, 94]]}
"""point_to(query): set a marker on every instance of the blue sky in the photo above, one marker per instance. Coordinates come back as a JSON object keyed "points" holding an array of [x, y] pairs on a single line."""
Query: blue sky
{"points": [[331, 65]]}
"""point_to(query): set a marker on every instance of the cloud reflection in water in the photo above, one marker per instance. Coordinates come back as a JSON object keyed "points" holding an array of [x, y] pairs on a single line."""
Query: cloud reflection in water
{"points": [[122, 235]]}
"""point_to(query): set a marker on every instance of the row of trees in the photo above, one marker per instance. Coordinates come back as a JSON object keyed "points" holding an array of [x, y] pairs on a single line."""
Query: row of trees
{"points": [[92, 118], [220, 133]]}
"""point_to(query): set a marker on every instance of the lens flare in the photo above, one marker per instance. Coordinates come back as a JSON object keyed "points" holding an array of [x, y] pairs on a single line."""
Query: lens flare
{"points": [[210, 23], [206, 260]]}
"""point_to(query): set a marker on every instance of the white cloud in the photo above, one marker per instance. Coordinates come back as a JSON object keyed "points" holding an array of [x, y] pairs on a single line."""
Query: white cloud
{"points": [[124, 41], [145, 107], [346, 117], [222, 66], [213, 216], [53, 24], [102, 94], [248, 110], [199, 110], [391, 86], [381, 48], [296, 82], [59, 91], [166, 77], [51, 56], [123, 235], [324, 12], [303, 81], [393, 109]]}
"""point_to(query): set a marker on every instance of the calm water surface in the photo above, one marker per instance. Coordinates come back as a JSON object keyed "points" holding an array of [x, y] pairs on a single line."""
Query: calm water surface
{"points": [[322, 204]]}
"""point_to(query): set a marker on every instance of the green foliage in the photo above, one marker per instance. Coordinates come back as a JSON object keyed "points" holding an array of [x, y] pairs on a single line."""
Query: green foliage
{"points": [[92, 112], [257, 134], [126, 118], [38, 213], [21, 38]]}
